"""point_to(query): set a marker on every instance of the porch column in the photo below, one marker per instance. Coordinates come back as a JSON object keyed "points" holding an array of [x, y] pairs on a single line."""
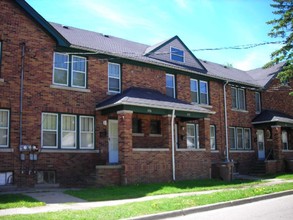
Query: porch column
{"points": [[204, 133], [125, 142], [277, 142]]}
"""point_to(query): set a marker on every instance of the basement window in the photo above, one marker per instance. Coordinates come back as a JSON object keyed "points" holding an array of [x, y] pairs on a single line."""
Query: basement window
{"points": [[6, 178], [46, 177]]}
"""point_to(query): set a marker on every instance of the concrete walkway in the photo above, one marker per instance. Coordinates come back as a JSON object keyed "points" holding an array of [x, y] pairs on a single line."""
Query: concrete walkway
{"points": [[57, 200]]}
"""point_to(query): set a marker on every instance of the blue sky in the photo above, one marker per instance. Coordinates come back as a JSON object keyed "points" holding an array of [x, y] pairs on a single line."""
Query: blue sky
{"points": [[198, 23]]}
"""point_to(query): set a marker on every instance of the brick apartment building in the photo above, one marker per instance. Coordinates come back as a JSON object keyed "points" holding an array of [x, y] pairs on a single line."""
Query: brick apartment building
{"points": [[80, 108]]}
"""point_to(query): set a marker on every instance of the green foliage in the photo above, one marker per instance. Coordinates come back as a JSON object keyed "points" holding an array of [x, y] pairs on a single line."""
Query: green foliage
{"points": [[283, 28], [18, 200]]}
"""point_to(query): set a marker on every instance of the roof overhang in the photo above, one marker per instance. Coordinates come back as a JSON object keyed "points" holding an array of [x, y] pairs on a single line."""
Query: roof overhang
{"points": [[273, 118]]}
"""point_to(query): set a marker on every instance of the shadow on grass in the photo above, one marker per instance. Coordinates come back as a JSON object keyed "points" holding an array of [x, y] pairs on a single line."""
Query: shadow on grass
{"points": [[142, 190], [18, 200]]}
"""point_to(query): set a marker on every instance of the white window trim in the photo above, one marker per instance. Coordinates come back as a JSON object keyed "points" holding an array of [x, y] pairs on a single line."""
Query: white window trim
{"points": [[7, 128], [249, 132], [42, 132], [82, 132], [67, 71], [75, 122], [207, 93], [119, 78], [174, 84], [285, 141], [235, 143], [213, 137], [196, 81], [85, 72], [177, 55]]}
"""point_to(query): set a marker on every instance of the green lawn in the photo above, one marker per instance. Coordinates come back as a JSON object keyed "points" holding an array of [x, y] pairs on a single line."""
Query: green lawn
{"points": [[284, 176], [141, 190], [18, 200], [154, 206]]}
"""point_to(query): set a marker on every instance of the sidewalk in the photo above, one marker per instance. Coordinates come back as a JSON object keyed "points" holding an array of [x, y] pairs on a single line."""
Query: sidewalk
{"points": [[57, 200]]}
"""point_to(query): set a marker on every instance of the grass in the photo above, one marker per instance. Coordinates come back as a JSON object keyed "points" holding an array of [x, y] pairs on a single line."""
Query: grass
{"points": [[284, 176], [155, 206], [141, 190], [18, 200]]}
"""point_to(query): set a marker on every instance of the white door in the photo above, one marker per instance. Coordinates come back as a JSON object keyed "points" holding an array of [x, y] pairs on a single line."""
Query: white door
{"points": [[113, 141], [260, 144]]}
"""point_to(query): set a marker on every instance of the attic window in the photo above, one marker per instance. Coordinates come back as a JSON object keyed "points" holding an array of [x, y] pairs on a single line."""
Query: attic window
{"points": [[176, 54]]}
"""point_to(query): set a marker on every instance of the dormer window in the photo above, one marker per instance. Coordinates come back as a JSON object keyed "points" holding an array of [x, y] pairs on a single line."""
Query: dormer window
{"points": [[176, 54]]}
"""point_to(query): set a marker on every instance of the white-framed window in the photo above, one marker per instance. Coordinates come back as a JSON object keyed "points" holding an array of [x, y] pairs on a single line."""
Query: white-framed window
{"points": [[68, 131], [257, 103], [86, 132], [170, 85], [238, 98], [49, 130], [204, 98], [192, 137], [176, 54], [285, 140], [114, 78], [4, 128], [78, 78], [239, 138], [76, 67], [213, 137], [194, 90]]}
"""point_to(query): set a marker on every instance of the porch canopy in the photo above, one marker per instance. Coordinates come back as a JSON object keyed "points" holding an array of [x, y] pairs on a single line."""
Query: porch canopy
{"points": [[148, 101], [270, 117]]}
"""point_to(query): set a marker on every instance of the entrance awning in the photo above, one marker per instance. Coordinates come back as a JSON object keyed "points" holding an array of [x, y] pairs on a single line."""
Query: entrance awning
{"points": [[273, 118], [148, 101]]}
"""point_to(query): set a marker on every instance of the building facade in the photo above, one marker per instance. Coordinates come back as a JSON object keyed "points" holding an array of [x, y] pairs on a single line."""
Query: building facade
{"points": [[79, 108]]}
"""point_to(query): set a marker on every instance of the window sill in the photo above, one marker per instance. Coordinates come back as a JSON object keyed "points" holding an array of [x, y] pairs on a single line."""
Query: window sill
{"points": [[1, 80], [239, 110], [69, 88], [202, 105], [190, 149], [113, 93], [156, 135], [215, 151], [43, 150], [6, 150], [287, 151], [150, 149], [138, 134], [241, 151]]}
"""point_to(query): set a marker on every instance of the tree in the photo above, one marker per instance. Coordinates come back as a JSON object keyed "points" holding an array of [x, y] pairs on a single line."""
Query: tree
{"points": [[283, 27]]}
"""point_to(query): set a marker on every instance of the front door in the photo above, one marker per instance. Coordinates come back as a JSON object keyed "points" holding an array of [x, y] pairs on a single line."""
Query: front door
{"points": [[113, 141], [260, 144]]}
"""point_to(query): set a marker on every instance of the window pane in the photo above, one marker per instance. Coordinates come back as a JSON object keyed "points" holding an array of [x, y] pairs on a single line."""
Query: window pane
{"points": [[3, 137], [155, 127], [177, 54], [114, 84], [114, 77], [68, 123], [60, 61], [68, 139], [194, 91], [190, 142], [241, 99], [3, 119], [136, 125], [170, 85], [87, 124], [213, 137], [79, 63], [60, 76], [234, 98], [78, 79], [87, 132], [239, 138], [203, 92], [68, 131], [49, 121], [191, 130], [170, 92], [257, 102], [114, 70], [49, 129], [87, 140], [232, 138], [50, 138], [247, 140]]}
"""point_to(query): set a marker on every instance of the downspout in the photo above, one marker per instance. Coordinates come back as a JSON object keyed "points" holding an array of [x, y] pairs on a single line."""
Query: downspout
{"points": [[21, 91], [173, 145], [226, 122]]}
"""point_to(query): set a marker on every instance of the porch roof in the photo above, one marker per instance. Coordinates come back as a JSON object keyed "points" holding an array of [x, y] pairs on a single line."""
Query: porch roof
{"points": [[150, 101], [273, 117]]}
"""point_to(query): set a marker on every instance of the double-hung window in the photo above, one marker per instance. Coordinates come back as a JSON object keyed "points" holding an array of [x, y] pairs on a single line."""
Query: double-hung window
{"points": [[67, 131], [170, 85], [176, 54], [203, 92], [114, 78], [69, 70], [155, 127], [4, 128], [192, 137], [213, 137], [194, 90], [257, 102], [239, 138], [238, 98], [136, 126]]}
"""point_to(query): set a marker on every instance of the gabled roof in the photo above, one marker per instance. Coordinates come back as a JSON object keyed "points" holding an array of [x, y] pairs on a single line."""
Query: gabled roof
{"points": [[271, 116], [149, 98], [263, 76], [46, 25]]}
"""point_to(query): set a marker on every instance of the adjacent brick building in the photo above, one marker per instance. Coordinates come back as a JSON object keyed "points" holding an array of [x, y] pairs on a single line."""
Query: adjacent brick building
{"points": [[80, 108]]}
